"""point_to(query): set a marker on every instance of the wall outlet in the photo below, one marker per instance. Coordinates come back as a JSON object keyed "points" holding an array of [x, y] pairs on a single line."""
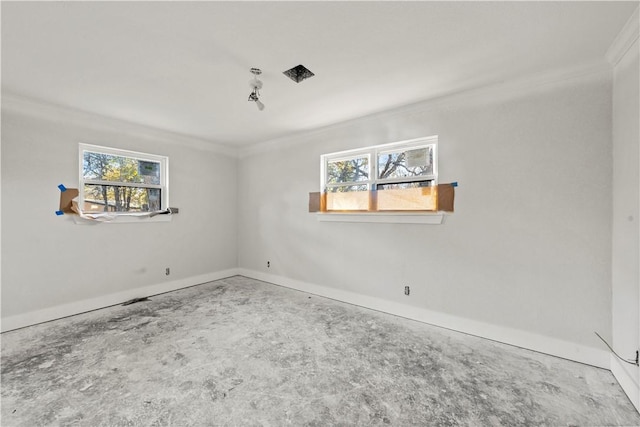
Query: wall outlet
{"points": [[167, 271], [406, 290], [268, 264]]}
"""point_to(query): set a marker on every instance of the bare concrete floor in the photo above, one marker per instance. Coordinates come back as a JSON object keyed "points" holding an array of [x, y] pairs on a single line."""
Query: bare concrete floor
{"points": [[243, 352]]}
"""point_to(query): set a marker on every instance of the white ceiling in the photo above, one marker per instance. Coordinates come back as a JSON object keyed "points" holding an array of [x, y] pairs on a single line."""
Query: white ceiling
{"points": [[184, 66]]}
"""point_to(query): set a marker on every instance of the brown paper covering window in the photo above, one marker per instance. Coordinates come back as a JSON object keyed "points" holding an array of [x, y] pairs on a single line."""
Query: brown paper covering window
{"points": [[422, 199]]}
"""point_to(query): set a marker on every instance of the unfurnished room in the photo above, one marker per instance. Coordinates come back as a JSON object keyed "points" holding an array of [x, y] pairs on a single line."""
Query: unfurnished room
{"points": [[320, 213]]}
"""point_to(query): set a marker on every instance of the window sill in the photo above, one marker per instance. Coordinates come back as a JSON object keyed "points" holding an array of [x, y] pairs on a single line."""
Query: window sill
{"points": [[121, 219], [381, 217]]}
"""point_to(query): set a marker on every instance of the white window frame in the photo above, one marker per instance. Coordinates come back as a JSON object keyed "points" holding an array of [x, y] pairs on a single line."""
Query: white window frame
{"points": [[372, 153], [126, 216]]}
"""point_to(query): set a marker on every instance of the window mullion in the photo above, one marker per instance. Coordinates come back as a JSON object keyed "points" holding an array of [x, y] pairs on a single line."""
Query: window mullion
{"points": [[374, 169], [403, 179], [347, 184], [120, 184]]}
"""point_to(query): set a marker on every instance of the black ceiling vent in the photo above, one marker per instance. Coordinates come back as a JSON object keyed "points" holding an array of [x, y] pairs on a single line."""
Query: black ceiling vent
{"points": [[298, 74]]}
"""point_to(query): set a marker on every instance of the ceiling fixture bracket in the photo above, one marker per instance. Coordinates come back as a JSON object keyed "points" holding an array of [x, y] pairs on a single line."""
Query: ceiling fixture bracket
{"points": [[256, 85], [298, 73]]}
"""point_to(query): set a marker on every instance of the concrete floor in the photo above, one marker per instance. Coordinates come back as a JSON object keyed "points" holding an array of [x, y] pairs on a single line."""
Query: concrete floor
{"points": [[243, 352]]}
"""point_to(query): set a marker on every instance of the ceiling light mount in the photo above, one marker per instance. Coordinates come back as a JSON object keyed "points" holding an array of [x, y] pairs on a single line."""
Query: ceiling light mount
{"points": [[298, 73], [256, 85]]}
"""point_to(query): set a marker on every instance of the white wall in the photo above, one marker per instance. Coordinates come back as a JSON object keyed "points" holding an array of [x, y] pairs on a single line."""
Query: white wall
{"points": [[52, 267], [626, 213], [526, 257]]}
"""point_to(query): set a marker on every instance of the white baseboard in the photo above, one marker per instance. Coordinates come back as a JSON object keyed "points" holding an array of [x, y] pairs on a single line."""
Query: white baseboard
{"points": [[628, 377], [539, 343], [34, 317], [519, 338]]}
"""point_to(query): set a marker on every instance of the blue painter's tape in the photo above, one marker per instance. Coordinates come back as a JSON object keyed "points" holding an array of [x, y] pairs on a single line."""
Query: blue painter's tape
{"points": [[454, 184], [59, 213], [62, 188]]}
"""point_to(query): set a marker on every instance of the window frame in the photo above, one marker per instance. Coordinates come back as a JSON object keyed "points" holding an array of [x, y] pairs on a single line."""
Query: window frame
{"points": [[164, 176], [372, 152]]}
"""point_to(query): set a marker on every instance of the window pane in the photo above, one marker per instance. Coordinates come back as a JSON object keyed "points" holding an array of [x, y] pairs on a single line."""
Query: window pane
{"points": [[114, 198], [353, 170], [399, 164], [108, 167]]}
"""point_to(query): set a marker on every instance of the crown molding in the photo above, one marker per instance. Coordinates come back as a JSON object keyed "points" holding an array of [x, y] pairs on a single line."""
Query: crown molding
{"points": [[16, 103], [532, 82], [625, 39], [44, 110]]}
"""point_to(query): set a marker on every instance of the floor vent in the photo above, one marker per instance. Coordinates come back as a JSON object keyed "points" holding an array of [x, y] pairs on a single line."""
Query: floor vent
{"points": [[135, 300]]}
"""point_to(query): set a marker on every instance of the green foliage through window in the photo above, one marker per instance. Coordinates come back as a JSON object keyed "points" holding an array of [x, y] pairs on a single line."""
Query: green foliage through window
{"points": [[114, 182]]}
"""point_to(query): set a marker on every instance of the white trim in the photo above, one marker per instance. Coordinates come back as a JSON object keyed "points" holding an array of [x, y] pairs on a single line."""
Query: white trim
{"points": [[623, 374], [52, 313], [519, 338], [382, 148], [41, 109], [504, 88], [122, 218], [625, 39], [381, 217]]}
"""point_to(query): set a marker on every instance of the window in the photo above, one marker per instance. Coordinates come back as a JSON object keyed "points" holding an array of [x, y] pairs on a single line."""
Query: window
{"points": [[122, 182], [399, 176]]}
